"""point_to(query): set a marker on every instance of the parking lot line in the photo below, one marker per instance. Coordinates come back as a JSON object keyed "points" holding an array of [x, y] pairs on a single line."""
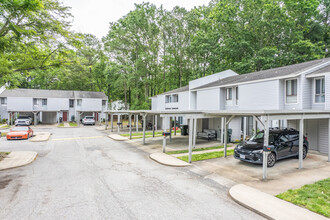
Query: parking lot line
{"points": [[76, 138]]}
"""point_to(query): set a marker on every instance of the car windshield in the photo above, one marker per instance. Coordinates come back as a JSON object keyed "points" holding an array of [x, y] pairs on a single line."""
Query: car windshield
{"points": [[89, 117], [20, 129], [259, 138], [23, 117]]}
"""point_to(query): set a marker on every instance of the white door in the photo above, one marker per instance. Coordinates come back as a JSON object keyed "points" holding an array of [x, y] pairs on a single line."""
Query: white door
{"points": [[312, 133]]}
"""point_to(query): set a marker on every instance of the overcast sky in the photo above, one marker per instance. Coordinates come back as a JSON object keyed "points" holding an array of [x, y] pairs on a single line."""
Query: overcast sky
{"points": [[93, 16]]}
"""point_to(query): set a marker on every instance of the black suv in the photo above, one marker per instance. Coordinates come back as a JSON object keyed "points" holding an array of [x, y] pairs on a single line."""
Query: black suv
{"points": [[285, 142]]}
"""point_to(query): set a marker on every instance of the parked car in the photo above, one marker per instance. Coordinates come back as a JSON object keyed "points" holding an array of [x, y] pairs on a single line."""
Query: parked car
{"points": [[20, 133], [23, 120], [285, 144], [88, 120]]}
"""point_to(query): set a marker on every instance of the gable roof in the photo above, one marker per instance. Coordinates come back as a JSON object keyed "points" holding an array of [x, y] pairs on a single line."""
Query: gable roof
{"points": [[181, 89], [43, 93], [266, 74]]}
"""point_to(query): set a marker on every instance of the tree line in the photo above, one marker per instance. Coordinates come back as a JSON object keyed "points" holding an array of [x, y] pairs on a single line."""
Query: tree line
{"points": [[152, 50]]}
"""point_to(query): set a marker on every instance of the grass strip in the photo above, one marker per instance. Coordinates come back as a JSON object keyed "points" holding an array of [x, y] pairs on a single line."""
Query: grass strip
{"points": [[196, 149], [61, 125], [4, 134], [73, 124], [315, 197], [147, 133], [206, 156], [6, 153]]}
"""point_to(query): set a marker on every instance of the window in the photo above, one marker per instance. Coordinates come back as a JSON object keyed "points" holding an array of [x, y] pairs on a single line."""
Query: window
{"points": [[79, 101], [3, 101], [71, 103], [175, 98], [44, 102], [104, 102], [236, 94], [319, 90], [291, 91], [35, 101], [229, 93], [167, 99]]}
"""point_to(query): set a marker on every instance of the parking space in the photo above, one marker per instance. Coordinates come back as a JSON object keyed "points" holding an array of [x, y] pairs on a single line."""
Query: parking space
{"points": [[283, 176]]}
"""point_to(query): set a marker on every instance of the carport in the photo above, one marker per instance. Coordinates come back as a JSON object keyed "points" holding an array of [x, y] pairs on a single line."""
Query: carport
{"points": [[81, 114], [264, 118], [12, 115]]}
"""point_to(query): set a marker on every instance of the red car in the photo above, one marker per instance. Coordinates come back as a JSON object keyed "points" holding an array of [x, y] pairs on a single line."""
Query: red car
{"points": [[20, 133]]}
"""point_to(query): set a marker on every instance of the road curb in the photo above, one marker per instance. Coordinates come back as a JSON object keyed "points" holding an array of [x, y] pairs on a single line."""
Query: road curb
{"points": [[168, 160], [40, 137], [17, 161], [117, 137], [269, 206]]}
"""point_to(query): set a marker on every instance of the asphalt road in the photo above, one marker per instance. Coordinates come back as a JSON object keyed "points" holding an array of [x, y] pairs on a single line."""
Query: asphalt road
{"points": [[82, 174]]}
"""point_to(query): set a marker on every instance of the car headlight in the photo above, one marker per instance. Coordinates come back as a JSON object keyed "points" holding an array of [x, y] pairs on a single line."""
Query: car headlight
{"points": [[257, 151]]}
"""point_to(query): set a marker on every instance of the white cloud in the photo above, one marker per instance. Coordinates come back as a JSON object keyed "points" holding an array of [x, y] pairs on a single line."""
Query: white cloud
{"points": [[94, 16]]}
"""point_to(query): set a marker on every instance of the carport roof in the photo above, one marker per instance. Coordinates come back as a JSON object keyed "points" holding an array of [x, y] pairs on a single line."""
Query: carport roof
{"points": [[43, 93]]}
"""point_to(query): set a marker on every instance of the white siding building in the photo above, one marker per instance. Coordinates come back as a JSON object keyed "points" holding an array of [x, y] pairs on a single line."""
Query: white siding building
{"points": [[48, 106]]}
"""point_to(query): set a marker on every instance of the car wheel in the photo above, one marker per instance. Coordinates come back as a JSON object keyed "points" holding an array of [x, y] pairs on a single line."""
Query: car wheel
{"points": [[271, 160], [304, 152]]}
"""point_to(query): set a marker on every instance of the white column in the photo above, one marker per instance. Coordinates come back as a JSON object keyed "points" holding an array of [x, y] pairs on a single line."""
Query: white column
{"points": [[153, 126], [191, 131], [175, 126], [254, 126], [265, 155], [244, 128], [222, 131], [156, 124], [134, 120], [225, 137], [130, 126], [170, 120], [164, 137], [195, 129], [111, 122], [329, 140], [137, 123], [8, 118], [301, 142], [144, 128], [106, 120]]}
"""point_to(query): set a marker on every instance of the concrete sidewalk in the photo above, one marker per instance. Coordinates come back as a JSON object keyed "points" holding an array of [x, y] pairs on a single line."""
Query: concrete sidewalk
{"points": [[269, 206], [40, 136], [168, 160], [17, 159]]}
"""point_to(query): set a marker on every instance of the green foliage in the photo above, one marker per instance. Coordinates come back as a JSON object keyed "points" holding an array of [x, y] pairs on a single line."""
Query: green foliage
{"points": [[206, 156], [315, 197], [152, 50]]}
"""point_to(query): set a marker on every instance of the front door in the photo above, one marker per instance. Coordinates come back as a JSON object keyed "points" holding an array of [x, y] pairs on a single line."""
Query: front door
{"points": [[65, 116]]}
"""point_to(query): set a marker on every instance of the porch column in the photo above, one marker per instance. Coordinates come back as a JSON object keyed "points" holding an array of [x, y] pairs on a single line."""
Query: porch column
{"points": [[137, 123], [254, 126], [9, 118], [105, 121], [222, 132], [170, 119], [153, 126], [301, 142], [225, 137], [130, 126], [191, 131], [265, 154], [35, 118], [156, 123], [144, 128], [329, 140], [118, 121], [111, 116], [195, 129], [175, 126], [244, 128], [164, 137]]}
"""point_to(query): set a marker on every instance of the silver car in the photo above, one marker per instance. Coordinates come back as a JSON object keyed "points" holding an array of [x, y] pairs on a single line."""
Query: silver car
{"points": [[88, 120]]}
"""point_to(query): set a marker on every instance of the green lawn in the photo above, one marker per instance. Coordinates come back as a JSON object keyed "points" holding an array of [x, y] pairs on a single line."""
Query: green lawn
{"points": [[315, 197], [61, 125], [73, 124], [197, 149], [206, 156], [5, 126], [159, 133], [3, 134]]}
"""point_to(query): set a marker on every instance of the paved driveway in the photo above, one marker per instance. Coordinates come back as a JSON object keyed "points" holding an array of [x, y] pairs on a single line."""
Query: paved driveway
{"points": [[82, 174]]}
